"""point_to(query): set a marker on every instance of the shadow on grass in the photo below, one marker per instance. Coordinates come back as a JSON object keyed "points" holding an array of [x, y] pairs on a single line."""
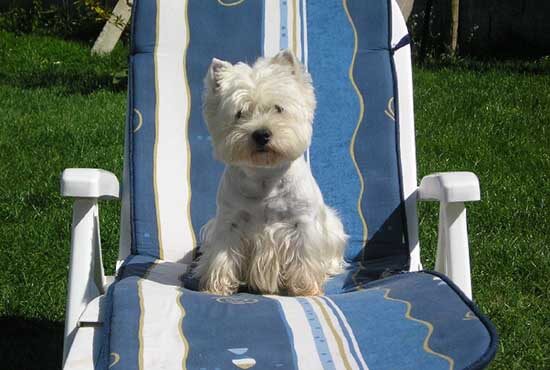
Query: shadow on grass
{"points": [[30, 343], [534, 67], [71, 83]]}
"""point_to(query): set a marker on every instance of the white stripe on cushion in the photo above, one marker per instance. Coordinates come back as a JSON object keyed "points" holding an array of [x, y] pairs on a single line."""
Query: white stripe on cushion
{"points": [[336, 340], [161, 339], [304, 343], [272, 24], [172, 158], [349, 331], [294, 27]]}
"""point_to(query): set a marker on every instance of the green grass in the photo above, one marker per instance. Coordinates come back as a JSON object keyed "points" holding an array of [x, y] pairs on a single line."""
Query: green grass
{"points": [[60, 108]]}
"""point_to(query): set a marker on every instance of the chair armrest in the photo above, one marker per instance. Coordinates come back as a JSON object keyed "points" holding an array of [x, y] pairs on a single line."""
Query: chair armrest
{"points": [[86, 274], [450, 187], [89, 183]]}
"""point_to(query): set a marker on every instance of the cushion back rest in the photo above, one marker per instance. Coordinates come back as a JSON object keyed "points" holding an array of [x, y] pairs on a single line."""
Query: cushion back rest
{"points": [[362, 152]]}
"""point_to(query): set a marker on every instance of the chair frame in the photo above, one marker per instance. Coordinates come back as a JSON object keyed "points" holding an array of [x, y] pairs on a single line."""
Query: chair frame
{"points": [[88, 283]]}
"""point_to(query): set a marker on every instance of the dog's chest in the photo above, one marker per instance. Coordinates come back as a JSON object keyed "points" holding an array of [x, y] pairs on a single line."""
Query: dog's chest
{"points": [[253, 210]]}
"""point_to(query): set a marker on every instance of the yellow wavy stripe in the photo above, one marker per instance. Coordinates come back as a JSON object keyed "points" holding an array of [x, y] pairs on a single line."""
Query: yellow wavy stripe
{"points": [[223, 3], [188, 93], [116, 359], [389, 110], [155, 146], [180, 329], [337, 337], [354, 276], [361, 113], [140, 120], [140, 327], [430, 327]]}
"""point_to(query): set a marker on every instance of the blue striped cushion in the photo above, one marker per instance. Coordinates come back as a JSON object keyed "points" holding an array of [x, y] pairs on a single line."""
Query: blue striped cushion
{"points": [[406, 321], [354, 154]]}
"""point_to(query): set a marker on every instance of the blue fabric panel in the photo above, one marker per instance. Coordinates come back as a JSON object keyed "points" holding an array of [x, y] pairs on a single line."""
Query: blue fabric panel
{"points": [[144, 222], [385, 316], [215, 325], [228, 33], [406, 321], [144, 14], [142, 99], [375, 146], [136, 265], [330, 52], [124, 325], [425, 294]]}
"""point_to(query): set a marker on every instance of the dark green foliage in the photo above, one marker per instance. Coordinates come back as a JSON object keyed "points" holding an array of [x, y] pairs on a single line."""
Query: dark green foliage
{"points": [[77, 21]]}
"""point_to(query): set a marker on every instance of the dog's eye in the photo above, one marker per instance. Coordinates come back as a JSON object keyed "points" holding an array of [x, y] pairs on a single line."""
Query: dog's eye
{"points": [[238, 114], [279, 109]]}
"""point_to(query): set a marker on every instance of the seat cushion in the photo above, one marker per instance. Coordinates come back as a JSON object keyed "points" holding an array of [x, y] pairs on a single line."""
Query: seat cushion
{"points": [[406, 321]]}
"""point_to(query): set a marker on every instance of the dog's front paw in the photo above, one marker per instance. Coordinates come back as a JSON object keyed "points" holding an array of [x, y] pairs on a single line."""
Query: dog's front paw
{"points": [[305, 291], [305, 284], [218, 277], [220, 290]]}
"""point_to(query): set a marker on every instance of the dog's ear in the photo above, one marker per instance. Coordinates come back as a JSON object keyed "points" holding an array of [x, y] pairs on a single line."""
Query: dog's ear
{"points": [[287, 57], [214, 75]]}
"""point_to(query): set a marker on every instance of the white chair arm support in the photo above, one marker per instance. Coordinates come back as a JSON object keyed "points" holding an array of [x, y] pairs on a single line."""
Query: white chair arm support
{"points": [[86, 274], [89, 183], [452, 189]]}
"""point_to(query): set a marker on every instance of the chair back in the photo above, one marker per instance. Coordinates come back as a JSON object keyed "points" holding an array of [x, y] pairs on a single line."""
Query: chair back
{"points": [[362, 152]]}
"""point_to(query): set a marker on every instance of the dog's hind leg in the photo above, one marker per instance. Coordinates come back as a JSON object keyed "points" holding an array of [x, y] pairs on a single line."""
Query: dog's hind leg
{"points": [[335, 240]]}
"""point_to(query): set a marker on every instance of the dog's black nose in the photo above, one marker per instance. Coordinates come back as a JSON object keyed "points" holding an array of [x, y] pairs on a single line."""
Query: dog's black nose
{"points": [[261, 137]]}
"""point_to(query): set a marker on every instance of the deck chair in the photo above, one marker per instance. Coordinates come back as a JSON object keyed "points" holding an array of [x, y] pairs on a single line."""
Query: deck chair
{"points": [[384, 312]]}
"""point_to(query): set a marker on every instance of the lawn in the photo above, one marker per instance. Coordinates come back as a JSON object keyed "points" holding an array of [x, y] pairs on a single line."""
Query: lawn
{"points": [[62, 108]]}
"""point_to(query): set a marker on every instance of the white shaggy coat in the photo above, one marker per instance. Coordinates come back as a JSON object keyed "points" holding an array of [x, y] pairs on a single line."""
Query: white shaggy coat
{"points": [[272, 230]]}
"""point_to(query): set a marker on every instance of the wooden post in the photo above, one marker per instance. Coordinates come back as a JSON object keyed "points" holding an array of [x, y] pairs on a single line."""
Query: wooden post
{"points": [[406, 7], [455, 6], [112, 30]]}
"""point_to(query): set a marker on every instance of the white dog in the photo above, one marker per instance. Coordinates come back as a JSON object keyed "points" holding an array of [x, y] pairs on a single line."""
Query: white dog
{"points": [[272, 230]]}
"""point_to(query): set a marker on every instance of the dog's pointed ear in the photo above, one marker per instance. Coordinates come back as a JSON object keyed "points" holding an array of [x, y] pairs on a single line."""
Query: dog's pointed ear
{"points": [[214, 76], [287, 57]]}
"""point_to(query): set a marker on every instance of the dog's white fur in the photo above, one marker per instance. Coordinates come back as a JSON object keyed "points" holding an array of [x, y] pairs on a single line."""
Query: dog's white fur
{"points": [[272, 229]]}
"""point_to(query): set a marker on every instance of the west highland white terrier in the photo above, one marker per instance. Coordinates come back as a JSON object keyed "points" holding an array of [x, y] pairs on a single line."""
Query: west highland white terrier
{"points": [[272, 230]]}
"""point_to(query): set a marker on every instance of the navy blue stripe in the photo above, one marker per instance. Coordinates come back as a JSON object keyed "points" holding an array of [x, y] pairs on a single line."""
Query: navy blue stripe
{"points": [[387, 339], [216, 325], [329, 58], [487, 356], [405, 40], [470, 338], [143, 98], [144, 14], [234, 34], [128, 184], [124, 324], [375, 149]]}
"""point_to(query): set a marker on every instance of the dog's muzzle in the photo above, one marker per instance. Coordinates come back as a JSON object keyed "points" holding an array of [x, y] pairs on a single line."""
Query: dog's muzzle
{"points": [[261, 137]]}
